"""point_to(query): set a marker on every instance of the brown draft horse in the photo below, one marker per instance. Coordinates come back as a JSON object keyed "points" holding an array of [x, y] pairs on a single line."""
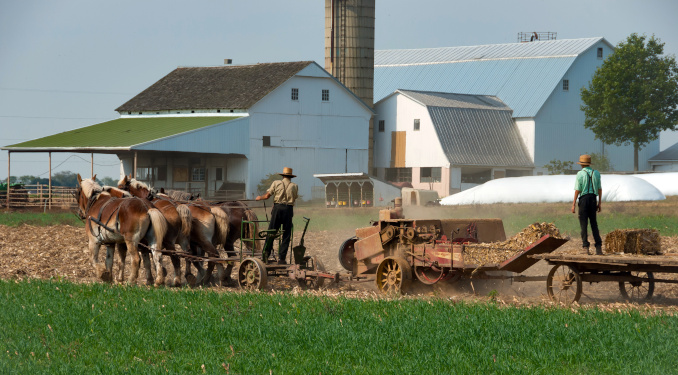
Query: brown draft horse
{"points": [[178, 218], [129, 221], [209, 227]]}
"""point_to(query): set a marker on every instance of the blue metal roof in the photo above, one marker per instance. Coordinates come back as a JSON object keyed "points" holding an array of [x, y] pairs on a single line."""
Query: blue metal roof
{"points": [[523, 75]]}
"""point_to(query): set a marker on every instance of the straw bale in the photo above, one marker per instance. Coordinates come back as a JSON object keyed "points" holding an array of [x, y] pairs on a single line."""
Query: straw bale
{"points": [[633, 241], [497, 252]]}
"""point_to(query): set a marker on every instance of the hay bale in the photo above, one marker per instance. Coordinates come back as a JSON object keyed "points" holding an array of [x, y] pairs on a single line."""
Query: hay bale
{"points": [[633, 241], [498, 252]]}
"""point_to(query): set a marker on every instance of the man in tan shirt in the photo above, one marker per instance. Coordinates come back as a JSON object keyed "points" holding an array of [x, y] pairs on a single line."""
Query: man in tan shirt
{"points": [[285, 193]]}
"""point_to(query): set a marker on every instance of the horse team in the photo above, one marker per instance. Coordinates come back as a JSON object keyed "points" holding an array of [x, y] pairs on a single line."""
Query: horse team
{"points": [[133, 215]]}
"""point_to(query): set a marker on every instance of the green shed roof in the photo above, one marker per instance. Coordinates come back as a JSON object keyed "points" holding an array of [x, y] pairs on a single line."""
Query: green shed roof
{"points": [[119, 134]]}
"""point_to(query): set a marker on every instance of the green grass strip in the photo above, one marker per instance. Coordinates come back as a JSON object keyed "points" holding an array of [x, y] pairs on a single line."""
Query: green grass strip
{"points": [[49, 327]]}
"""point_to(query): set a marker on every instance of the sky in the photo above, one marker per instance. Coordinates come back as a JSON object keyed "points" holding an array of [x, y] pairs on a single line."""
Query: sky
{"points": [[68, 64]]}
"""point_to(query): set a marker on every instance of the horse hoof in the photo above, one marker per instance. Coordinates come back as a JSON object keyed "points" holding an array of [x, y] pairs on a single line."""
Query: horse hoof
{"points": [[191, 280], [107, 276]]}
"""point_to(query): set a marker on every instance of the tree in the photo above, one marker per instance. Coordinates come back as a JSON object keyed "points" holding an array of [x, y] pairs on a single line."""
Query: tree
{"points": [[633, 96], [559, 167], [601, 162]]}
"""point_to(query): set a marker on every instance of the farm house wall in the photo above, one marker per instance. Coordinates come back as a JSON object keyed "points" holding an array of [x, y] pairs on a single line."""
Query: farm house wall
{"points": [[423, 148], [559, 129], [309, 135]]}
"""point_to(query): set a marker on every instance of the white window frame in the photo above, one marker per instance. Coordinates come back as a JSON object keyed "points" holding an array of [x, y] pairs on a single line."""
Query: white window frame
{"points": [[325, 95], [566, 85]]}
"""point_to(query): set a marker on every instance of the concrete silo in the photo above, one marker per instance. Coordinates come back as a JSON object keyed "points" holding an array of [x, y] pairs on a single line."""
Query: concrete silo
{"points": [[349, 50]]}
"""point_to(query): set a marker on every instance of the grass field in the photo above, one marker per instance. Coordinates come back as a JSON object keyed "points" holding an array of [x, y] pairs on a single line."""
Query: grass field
{"points": [[51, 327]]}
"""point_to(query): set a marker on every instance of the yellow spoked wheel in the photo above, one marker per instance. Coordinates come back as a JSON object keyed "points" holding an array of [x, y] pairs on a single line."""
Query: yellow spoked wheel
{"points": [[393, 275], [252, 274]]}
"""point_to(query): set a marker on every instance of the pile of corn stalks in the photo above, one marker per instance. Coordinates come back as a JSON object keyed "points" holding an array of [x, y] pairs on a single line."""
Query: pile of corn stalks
{"points": [[497, 252], [633, 241]]}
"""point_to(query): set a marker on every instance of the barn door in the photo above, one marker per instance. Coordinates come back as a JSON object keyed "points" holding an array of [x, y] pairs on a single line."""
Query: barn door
{"points": [[398, 149]]}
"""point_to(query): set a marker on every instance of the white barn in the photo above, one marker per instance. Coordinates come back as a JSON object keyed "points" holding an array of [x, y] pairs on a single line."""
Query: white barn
{"points": [[540, 81], [447, 142], [219, 131]]}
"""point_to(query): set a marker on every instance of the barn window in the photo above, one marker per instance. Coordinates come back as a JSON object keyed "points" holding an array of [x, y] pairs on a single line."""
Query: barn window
{"points": [[198, 174], [295, 94], [381, 126], [566, 85], [267, 140], [326, 95], [600, 53], [429, 174], [219, 174], [399, 174], [416, 124]]}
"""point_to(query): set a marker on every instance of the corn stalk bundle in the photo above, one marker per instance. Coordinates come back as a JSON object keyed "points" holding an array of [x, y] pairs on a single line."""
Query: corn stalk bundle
{"points": [[497, 252], [633, 241]]}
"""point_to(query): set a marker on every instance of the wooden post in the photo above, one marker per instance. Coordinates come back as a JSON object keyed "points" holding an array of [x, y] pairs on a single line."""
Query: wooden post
{"points": [[134, 173], [49, 194], [92, 164], [8, 170]]}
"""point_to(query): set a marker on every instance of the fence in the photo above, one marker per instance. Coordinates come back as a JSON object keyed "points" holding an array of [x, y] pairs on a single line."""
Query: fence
{"points": [[24, 196], [38, 196]]}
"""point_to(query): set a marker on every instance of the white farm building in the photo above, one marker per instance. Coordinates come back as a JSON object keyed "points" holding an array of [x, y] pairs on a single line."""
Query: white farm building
{"points": [[539, 81], [219, 131]]}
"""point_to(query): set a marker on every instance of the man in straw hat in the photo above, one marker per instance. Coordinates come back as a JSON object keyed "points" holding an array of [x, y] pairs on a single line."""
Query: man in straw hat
{"points": [[587, 187], [284, 193]]}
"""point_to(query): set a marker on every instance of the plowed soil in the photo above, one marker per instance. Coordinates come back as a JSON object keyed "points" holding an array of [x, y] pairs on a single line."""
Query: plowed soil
{"points": [[61, 252]]}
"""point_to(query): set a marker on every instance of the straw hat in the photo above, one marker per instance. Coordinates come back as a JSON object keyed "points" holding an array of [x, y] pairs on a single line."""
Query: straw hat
{"points": [[584, 160], [287, 172]]}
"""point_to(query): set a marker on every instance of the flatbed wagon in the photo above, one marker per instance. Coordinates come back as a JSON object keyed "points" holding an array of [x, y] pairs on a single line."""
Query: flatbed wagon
{"points": [[635, 274]]}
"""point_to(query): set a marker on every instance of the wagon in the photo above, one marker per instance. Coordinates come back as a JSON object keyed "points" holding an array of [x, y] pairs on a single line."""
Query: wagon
{"points": [[635, 274]]}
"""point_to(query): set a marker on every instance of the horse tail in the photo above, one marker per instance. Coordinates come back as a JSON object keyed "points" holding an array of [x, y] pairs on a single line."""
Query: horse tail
{"points": [[221, 230], [251, 228], [186, 219], [159, 224]]}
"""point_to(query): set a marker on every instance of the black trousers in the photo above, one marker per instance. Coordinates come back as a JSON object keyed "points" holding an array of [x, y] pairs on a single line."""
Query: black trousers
{"points": [[588, 206], [281, 215]]}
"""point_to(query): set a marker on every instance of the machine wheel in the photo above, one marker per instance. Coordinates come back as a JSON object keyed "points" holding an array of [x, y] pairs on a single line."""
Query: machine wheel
{"points": [[313, 264], [452, 276], [563, 284], [347, 253], [252, 274], [393, 275], [638, 291], [429, 275]]}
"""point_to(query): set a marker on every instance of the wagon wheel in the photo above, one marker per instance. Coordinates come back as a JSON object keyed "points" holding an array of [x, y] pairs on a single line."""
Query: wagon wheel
{"points": [[252, 274], [637, 291], [393, 275], [313, 282], [347, 253], [563, 284], [429, 275]]}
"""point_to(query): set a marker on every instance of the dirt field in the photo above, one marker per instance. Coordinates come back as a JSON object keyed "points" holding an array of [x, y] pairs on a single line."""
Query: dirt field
{"points": [[61, 252]]}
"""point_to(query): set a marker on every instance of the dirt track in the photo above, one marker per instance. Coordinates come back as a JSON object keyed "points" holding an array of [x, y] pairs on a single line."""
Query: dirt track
{"points": [[61, 252]]}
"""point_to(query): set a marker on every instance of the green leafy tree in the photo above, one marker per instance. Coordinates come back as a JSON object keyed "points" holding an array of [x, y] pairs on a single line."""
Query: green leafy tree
{"points": [[559, 167], [633, 96], [601, 162]]}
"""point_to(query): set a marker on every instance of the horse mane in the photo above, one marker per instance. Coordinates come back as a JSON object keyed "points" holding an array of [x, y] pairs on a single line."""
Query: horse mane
{"points": [[90, 187], [139, 185], [124, 193]]}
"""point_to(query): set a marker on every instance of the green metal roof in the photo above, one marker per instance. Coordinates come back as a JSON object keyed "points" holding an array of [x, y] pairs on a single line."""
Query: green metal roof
{"points": [[118, 134]]}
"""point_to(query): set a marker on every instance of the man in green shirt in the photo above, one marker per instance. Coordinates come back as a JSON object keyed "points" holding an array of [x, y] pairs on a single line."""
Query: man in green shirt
{"points": [[587, 187]]}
